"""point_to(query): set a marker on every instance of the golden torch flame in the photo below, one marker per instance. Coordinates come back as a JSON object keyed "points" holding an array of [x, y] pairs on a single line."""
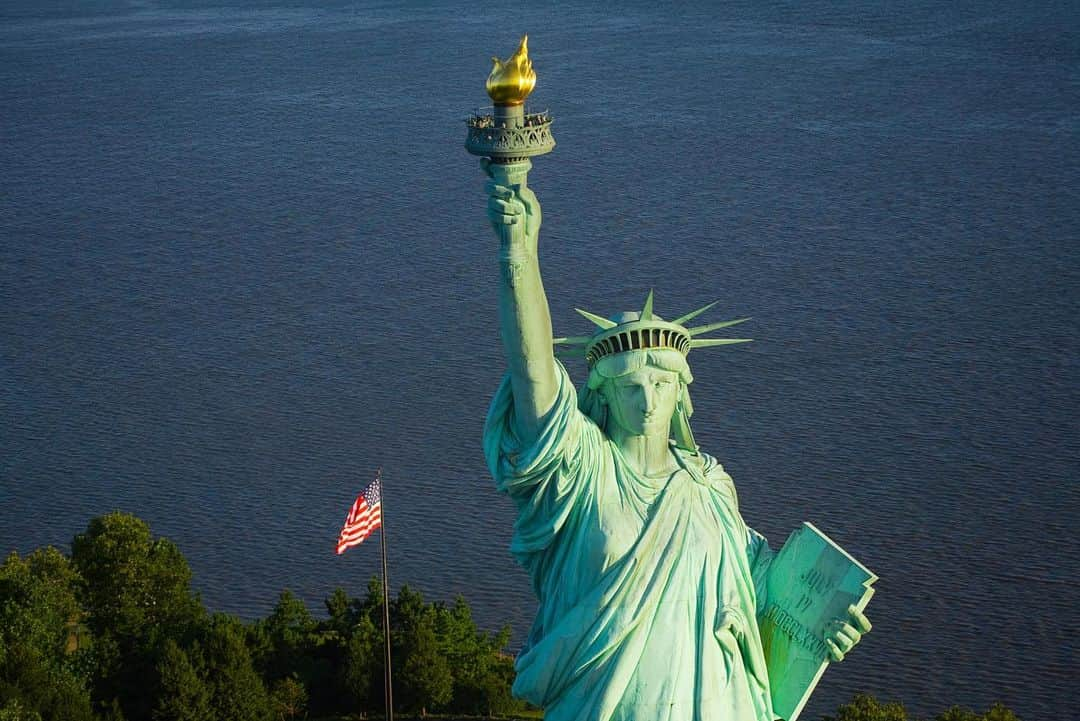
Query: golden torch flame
{"points": [[511, 82]]}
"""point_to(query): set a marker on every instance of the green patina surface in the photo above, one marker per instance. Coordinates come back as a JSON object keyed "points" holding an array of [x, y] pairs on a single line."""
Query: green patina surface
{"points": [[811, 583], [656, 601]]}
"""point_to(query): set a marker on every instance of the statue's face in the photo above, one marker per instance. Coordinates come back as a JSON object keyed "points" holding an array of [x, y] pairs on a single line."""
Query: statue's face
{"points": [[642, 403]]}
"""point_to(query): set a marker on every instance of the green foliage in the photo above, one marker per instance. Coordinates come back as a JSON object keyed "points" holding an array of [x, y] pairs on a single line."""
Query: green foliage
{"points": [[132, 581], [493, 690], [13, 710], [282, 639], [342, 612], [237, 692], [136, 592], [185, 695], [868, 708], [39, 607], [424, 679], [112, 711], [483, 674], [40, 670], [362, 668], [997, 712], [443, 662], [288, 698], [291, 643], [957, 713]]}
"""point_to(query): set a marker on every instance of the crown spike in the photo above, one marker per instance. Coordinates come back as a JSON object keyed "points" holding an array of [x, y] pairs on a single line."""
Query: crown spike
{"points": [[708, 342], [694, 313], [646, 312], [572, 340], [714, 326], [602, 322]]}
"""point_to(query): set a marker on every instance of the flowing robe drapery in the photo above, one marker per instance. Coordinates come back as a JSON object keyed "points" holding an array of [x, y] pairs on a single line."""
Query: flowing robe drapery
{"points": [[646, 586]]}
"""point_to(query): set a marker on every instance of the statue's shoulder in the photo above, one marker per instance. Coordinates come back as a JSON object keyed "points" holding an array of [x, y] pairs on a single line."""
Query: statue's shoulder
{"points": [[715, 475], [710, 466]]}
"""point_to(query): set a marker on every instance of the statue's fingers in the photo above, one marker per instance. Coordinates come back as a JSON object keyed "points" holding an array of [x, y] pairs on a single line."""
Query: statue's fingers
{"points": [[528, 197], [859, 619], [505, 206], [834, 651], [846, 637], [500, 218], [499, 191]]}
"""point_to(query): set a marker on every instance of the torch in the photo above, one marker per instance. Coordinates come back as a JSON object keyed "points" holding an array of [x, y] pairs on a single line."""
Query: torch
{"points": [[505, 133]]}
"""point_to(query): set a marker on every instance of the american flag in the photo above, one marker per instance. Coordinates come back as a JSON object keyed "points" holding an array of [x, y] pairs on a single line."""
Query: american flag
{"points": [[364, 517]]}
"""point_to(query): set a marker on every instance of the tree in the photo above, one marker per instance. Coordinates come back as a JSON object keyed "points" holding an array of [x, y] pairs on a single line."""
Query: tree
{"points": [[425, 680], [343, 612], [282, 642], [13, 710], [41, 672], [423, 672], [362, 666], [957, 713], [185, 695], [495, 697], [132, 581], [136, 591], [868, 708], [237, 692], [997, 712], [482, 676], [289, 698], [291, 643]]}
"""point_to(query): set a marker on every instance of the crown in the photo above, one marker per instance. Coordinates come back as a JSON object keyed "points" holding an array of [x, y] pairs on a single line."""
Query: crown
{"points": [[646, 330]]}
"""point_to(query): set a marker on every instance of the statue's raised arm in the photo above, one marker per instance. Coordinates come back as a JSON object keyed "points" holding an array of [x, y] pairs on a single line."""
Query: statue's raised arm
{"points": [[523, 307]]}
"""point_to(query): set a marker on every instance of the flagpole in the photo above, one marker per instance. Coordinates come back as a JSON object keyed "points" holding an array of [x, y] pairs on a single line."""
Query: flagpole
{"points": [[388, 686]]}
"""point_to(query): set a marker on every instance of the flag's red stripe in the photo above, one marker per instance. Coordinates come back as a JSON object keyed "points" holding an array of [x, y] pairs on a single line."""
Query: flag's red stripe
{"points": [[361, 531], [356, 510], [361, 511], [364, 519], [363, 527], [348, 541], [355, 518]]}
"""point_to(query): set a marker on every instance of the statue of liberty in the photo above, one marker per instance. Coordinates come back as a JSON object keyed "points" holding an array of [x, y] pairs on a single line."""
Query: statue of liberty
{"points": [[650, 584]]}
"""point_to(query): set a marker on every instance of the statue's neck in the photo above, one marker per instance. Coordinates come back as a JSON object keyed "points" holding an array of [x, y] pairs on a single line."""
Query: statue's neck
{"points": [[647, 455]]}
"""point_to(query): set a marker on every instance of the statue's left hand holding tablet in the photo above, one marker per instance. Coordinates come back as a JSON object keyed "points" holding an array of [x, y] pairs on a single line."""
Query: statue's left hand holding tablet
{"points": [[844, 634]]}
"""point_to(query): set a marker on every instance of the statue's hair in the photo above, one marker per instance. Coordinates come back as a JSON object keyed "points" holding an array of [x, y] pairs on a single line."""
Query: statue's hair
{"points": [[621, 364]]}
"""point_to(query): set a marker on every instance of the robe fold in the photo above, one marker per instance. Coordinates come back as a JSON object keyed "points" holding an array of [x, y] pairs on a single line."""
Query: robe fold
{"points": [[647, 597]]}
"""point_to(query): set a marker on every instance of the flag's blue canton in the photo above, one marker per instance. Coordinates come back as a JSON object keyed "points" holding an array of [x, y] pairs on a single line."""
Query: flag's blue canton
{"points": [[373, 494]]}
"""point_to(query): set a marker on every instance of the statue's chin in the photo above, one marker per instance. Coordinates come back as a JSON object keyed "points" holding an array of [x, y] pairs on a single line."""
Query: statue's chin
{"points": [[657, 432]]}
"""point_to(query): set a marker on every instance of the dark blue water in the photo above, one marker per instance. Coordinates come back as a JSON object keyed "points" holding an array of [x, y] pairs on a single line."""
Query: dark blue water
{"points": [[244, 261]]}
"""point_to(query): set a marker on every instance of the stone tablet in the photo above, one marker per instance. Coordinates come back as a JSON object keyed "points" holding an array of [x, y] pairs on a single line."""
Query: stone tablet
{"points": [[811, 583]]}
